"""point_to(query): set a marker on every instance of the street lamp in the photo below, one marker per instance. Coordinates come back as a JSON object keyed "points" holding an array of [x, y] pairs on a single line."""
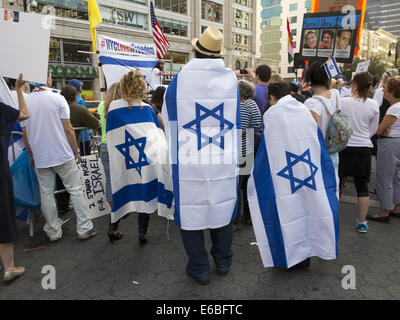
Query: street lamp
{"points": [[394, 46]]}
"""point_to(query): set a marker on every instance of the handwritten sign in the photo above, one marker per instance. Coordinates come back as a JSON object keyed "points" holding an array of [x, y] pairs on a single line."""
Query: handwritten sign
{"points": [[94, 186], [363, 66]]}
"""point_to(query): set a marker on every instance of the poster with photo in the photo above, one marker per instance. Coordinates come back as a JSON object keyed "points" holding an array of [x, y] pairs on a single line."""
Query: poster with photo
{"points": [[310, 43], [329, 34], [343, 43], [326, 42]]}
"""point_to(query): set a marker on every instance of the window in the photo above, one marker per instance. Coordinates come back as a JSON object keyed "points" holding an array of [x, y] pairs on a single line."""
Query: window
{"points": [[241, 19], [294, 32], [211, 11], [293, 7], [293, 20], [71, 54], [174, 27], [203, 28], [245, 3], [179, 6], [175, 61], [290, 69], [123, 17], [55, 50], [294, 44]]}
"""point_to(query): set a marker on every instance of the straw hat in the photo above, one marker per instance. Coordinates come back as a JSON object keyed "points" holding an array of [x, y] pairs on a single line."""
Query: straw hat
{"points": [[210, 43]]}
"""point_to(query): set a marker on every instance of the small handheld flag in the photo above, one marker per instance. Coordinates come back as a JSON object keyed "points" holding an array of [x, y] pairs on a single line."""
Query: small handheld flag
{"points": [[331, 68]]}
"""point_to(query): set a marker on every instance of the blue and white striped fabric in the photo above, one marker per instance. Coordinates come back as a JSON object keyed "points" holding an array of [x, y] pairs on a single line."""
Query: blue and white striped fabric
{"points": [[115, 66], [140, 177], [331, 68], [292, 192], [201, 114]]}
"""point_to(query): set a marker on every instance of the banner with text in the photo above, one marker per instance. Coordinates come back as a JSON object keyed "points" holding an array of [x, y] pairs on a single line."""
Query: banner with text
{"points": [[131, 48], [94, 186]]}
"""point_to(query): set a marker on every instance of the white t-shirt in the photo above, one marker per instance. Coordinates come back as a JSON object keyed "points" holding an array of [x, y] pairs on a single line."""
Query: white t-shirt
{"points": [[156, 76], [378, 96], [394, 110], [315, 105], [345, 92], [364, 120], [44, 129]]}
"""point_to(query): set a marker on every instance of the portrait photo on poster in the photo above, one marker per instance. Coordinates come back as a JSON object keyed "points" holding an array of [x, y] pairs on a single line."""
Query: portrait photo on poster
{"points": [[325, 46], [310, 42], [343, 44]]}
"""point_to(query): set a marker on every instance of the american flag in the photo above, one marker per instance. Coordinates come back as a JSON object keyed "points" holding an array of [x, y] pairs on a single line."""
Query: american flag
{"points": [[161, 42]]}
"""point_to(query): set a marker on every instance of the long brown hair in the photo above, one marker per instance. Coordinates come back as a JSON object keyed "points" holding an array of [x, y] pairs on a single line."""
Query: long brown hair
{"points": [[114, 93]]}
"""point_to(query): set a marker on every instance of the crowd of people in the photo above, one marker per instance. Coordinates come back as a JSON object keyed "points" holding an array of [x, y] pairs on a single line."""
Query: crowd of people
{"points": [[51, 117]]}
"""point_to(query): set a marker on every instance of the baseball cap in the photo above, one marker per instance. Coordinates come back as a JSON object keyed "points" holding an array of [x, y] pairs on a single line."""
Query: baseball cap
{"points": [[76, 83]]}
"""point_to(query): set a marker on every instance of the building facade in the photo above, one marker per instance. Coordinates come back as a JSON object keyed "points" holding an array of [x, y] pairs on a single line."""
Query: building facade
{"points": [[273, 40], [377, 43], [383, 14], [181, 20]]}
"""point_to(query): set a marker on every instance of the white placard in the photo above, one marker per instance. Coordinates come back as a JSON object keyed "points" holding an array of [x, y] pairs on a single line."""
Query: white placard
{"points": [[5, 94], [94, 186], [363, 66], [24, 45]]}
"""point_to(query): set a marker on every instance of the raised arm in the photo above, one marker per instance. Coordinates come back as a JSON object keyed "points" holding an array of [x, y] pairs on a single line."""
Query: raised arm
{"points": [[23, 107]]}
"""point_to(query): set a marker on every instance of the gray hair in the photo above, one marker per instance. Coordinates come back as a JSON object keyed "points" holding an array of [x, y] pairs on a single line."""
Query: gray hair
{"points": [[246, 90], [389, 73]]}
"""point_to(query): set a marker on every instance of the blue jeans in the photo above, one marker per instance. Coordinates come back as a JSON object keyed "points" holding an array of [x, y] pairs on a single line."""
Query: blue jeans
{"points": [[198, 263], [143, 222]]}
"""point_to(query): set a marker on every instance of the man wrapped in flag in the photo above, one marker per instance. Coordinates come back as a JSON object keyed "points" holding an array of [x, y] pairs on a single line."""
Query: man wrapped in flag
{"points": [[293, 194], [137, 148], [201, 117]]}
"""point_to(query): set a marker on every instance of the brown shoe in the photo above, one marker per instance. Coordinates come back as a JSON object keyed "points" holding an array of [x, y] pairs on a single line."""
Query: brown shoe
{"points": [[236, 227]]}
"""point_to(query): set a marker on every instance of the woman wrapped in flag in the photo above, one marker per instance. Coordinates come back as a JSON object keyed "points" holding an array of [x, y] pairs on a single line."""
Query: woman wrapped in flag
{"points": [[138, 152], [292, 191]]}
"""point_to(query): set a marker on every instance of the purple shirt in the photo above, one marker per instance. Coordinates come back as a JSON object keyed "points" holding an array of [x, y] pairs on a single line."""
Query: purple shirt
{"points": [[261, 96]]}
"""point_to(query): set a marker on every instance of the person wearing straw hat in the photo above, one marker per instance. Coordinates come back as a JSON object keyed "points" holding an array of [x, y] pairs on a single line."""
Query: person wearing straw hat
{"points": [[201, 114]]}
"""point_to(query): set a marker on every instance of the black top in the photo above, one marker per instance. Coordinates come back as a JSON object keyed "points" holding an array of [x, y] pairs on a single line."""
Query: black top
{"points": [[8, 117]]}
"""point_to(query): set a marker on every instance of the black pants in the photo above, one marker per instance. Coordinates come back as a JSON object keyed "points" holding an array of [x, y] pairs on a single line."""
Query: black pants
{"points": [[84, 148], [361, 184]]}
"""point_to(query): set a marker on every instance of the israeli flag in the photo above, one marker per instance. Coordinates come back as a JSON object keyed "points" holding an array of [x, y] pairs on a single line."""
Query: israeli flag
{"points": [[331, 68], [201, 114], [115, 66], [140, 177], [292, 192]]}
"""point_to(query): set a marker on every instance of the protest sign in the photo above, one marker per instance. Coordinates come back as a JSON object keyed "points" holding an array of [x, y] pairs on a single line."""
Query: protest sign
{"points": [[25, 45], [5, 94], [328, 34], [131, 48], [363, 66], [94, 186]]}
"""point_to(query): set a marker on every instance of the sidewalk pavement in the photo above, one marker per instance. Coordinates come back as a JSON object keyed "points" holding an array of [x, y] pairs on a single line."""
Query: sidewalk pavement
{"points": [[97, 269]]}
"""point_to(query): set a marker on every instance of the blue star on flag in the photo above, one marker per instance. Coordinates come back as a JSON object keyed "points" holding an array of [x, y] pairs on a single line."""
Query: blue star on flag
{"points": [[195, 126], [124, 148], [287, 172]]}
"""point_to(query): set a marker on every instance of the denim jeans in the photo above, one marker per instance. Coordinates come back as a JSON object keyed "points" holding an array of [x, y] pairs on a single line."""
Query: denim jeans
{"points": [[69, 175], [143, 222], [221, 250]]}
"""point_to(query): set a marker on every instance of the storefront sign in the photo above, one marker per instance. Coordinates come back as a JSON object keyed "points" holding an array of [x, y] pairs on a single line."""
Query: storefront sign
{"points": [[94, 186], [73, 71], [24, 46], [131, 48]]}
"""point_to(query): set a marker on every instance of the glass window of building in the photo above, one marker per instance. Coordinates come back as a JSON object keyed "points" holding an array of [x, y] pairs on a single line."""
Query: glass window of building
{"points": [[241, 42], [173, 27], [179, 6], [245, 3], [270, 3], [203, 28], [293, 7], [72, 54], [174, 61], [70, 9], [294, 32], [211, 11], [240, 62], [55, 50], [293, 20], [241, 19]]}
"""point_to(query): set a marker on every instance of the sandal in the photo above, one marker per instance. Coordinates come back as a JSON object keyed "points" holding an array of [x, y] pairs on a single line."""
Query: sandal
{"points": [[114, 235], [378, 218], [143, 239]]}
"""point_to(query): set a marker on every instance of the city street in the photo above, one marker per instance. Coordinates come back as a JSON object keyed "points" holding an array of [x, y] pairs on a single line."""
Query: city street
{"points": [[96, 269]]}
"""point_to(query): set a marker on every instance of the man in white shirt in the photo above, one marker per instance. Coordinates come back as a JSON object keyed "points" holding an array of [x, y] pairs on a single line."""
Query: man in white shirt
{"points": [[51, 143], [157, 74]]}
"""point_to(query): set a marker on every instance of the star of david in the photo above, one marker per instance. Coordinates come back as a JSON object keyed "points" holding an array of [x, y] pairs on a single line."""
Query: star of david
{"points": [[195, 126], [287, 172], [124, 148]]}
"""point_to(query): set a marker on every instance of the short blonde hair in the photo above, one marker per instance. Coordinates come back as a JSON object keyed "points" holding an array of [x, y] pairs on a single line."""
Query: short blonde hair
{"points": [[133, 87], [114, 93], [276, 78]]}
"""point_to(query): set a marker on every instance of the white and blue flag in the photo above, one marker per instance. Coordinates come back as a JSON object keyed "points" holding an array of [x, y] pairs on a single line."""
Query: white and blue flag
{"points": [[140, 177], [331, 68], [201, 114], [292, 192]]}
